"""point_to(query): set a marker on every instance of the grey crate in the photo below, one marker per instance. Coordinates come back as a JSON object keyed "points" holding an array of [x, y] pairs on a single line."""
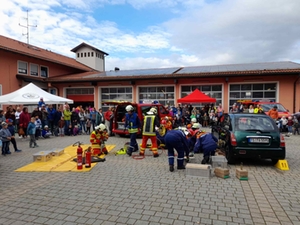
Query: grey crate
{"points": [[42, 156], [57, 152], [193, 169], [219, 161]]}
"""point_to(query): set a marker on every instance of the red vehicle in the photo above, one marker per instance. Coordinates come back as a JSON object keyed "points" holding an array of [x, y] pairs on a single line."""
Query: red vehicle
{"points": [[140, 109], [267, 105]]}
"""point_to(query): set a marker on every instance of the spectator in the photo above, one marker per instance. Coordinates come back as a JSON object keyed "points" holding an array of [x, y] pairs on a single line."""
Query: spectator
{"points": [[5, 136], [17, 115], [31, 132], [38, 127], [273, 113], [93, 116], [40, 103], [88, 126], [101, 117], [51, 116], [24, 121], [2, 118], [74, 118], [82, 120], [67, 117], [61, 126], [107, 116], [11, 129], [46, 132]]}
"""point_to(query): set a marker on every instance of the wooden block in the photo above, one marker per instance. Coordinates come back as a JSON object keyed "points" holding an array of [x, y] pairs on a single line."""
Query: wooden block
{"points": [[241, 173], [222, 172]]}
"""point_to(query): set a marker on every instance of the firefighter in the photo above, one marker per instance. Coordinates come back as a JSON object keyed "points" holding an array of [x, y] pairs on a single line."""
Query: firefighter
{"points": [[207, 143], [133, 124], [151, 124], [98, 138], [176, 139], [167, 123]]}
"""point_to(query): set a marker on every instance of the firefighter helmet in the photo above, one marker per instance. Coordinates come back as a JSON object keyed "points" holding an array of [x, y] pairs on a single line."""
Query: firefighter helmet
{"points": [[153, 110], [102, 127], [129, 108], [196, 126], [194, 120]]}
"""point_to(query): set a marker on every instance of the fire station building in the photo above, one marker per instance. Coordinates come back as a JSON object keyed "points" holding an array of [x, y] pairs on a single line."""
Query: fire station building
{"points": [[85, 80]]}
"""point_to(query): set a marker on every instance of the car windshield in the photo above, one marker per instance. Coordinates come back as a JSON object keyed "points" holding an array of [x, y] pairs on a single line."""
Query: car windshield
{"points": [[267, 107], [252, 123]]}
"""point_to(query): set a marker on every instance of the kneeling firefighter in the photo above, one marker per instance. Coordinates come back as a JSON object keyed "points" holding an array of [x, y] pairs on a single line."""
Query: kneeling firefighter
{"points": [[207, 143], [98, 138], [177, 139], [151, 124], [133, 124]]}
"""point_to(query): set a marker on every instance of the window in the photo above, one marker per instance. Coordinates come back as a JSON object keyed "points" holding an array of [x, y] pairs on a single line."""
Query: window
{"points": [[85, 54], [81, 54], [259, 91], [44, 71], [88, 54], [107, 94], [92, 54], [78, 55], [164, 95], [22, 67], [34, 70]]}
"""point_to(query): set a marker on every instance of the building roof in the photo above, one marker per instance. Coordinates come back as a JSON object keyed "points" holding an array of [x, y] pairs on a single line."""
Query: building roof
{"points": [[83, 44], [15, 46], [267, 68]]}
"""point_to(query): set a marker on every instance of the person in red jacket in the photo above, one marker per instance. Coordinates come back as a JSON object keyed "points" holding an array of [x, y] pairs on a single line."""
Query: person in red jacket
{"points": [[273, 113], [108, 115], [24, 121]]}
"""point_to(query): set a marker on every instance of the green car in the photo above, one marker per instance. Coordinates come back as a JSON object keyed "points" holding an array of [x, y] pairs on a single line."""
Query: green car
{"points": [[248, 135]]}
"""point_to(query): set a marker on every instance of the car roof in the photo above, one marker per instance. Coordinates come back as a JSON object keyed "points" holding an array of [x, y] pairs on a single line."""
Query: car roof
{"points": [[248, 114]]}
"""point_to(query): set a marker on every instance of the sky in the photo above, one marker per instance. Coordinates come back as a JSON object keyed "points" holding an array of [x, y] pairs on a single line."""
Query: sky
{"points": [[141, 34]]}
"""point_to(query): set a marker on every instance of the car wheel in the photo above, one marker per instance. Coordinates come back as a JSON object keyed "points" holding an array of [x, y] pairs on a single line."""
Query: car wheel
{"points": [[229, 155]]}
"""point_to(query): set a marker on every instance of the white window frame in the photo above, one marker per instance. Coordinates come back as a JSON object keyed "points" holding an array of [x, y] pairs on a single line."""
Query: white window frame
{"points": [[19, 67], [33, 64]]}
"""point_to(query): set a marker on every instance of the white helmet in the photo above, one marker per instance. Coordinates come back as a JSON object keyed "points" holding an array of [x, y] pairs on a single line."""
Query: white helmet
{"points": [[166, 118], [102, 127], [129, 108], [153, 110], [196, 126], [194, 120], [185, 131]]}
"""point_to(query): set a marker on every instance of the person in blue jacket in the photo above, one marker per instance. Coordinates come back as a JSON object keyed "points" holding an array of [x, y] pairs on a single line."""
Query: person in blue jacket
{"points": [[176, 139], [133, 124], [207, 143]]}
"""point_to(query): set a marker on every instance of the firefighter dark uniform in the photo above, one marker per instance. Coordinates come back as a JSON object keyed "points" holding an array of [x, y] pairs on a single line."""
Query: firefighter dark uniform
{"points": [[133, 124], [207, 143], [151, 123], [176, 139], [98, 138]]}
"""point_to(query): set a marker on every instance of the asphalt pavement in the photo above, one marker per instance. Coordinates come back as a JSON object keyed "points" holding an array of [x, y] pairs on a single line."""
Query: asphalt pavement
{"points": [[124, 190]]}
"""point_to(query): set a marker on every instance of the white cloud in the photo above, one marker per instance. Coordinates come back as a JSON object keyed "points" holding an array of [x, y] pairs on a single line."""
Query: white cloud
{"points": [[218, 32]]}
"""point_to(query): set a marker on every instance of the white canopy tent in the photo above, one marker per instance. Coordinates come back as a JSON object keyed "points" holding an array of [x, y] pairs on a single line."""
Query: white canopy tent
{"points": [[30, 95]]}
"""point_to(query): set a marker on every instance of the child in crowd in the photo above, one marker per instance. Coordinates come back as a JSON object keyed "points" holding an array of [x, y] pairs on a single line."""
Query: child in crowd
{"points": [[88, 126], [31, 132], [75, 130], [296, 126], [11, 129], [45, 132], [61, 126], [5, 136], [282, 125], [69, 130], [290, 126], [38, 126], [205, 120]]}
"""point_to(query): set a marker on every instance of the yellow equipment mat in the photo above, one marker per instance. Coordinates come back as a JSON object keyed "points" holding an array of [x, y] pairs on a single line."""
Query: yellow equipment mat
{"points": [[62, 163]]}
